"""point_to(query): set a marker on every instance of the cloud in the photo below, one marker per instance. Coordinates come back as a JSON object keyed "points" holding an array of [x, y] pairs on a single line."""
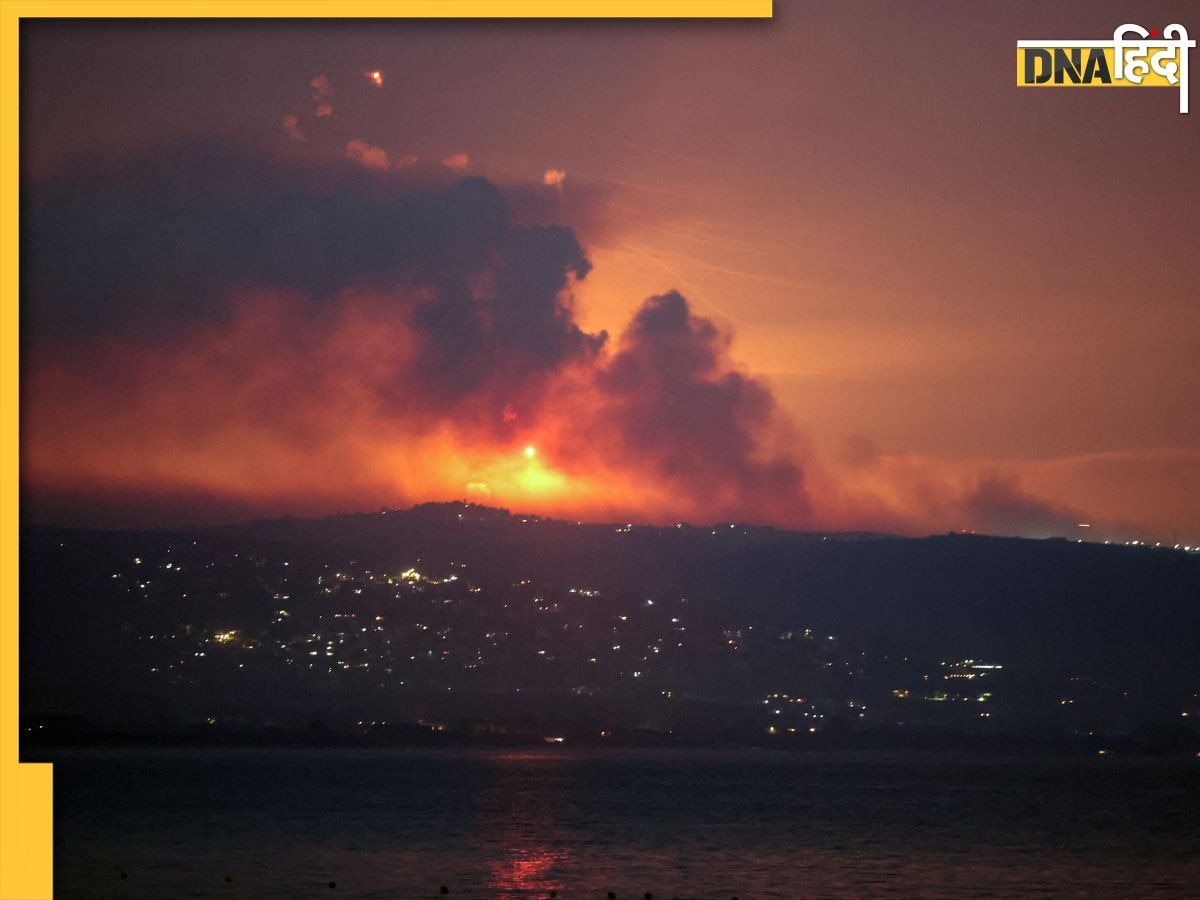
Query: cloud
{"points": [[291, 124], [681, 408], [868, 488], [996, 504], [457, 162], [206, 323], [367, 155], [170, 241], [322, 88], [322, 94], [411, 394], [554, 178], [160, 239], [237, 303]]}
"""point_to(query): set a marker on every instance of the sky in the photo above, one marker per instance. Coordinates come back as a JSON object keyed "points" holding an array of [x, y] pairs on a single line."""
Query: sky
{"points": [[833, 270]]}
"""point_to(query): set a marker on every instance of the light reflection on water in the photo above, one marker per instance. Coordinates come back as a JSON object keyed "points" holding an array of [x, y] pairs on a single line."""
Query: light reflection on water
{"points": [[400, 824], [525, 871]]}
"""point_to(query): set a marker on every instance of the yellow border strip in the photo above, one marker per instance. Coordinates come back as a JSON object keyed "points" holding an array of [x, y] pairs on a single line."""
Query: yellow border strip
{"points": [[26, 791], [395, 9]]}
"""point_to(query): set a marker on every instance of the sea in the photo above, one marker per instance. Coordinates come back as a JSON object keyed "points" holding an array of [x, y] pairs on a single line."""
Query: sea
{"points": [[163, 823]]}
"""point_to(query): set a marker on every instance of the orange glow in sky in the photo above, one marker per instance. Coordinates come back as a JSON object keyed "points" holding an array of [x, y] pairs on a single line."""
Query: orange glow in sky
{"points": [[906, 314]]}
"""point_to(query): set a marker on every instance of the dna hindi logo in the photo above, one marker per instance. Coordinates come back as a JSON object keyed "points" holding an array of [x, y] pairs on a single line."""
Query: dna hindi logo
{"points": [[1134, 57]]}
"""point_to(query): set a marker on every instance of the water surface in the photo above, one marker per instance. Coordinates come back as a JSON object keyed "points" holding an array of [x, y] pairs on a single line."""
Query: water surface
{"points": [[400, 824]]}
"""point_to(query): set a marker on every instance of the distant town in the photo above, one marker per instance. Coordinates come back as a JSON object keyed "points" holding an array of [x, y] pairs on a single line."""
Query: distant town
{"points": [[455, 622]]}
